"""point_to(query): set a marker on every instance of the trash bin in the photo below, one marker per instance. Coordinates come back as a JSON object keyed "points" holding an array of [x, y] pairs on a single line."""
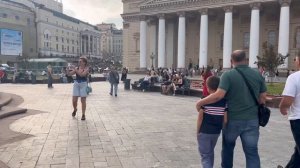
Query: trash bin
{"points": [[127, 84], [33, 78]]}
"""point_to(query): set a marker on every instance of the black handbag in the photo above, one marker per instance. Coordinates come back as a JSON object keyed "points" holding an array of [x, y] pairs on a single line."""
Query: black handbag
{"points": [[263, 111]]}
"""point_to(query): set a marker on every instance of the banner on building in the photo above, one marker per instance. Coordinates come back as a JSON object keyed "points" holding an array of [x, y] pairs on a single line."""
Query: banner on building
{"points": [[11, 42]]}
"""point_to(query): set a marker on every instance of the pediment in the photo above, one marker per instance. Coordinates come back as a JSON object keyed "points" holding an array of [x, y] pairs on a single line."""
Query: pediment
{"points": [[149, 3]]}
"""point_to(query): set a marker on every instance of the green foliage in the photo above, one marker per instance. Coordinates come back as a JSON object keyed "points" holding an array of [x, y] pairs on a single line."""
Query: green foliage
{"points": [[270, 60]]}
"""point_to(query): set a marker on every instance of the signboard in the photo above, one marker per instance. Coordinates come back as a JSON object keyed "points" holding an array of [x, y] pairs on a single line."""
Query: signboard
{"points": [[11, 42]]}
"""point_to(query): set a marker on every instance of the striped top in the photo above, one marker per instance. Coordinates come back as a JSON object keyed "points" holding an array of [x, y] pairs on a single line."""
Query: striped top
{"points": [[213, 117]]}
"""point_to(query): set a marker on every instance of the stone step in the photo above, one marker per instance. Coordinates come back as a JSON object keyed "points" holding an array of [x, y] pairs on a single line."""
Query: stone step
{"points": [[10, 111], [5, 99]]}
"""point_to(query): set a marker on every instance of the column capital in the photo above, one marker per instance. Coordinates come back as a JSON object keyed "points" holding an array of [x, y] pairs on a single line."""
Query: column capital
{"points": [[255, 5], [181, 14], [161, 16], [203, 11], [143, 18], [285, 2], [228, 9]]}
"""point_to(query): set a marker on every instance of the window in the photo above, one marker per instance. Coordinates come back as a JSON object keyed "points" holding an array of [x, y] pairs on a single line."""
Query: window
{"points": [[28, 21], [246, 42], [62, 40], [72, 41], [63, 48], [73, 49], [17, 17], [297, 42], [47, 19], [271, 38], [62, 32], [68, 48], [56, 47], [57, 38], [68, 41]]}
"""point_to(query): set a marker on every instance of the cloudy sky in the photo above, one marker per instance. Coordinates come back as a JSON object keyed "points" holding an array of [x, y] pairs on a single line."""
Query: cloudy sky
{"points": [[95, 11]]}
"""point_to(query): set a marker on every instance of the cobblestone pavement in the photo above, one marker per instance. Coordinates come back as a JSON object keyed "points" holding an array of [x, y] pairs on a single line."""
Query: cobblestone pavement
{"points": [[134, 130]]}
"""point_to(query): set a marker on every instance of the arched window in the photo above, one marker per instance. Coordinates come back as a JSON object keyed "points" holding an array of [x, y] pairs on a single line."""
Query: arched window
{"points": [[246, 40], [271, 38], [297, 38]]}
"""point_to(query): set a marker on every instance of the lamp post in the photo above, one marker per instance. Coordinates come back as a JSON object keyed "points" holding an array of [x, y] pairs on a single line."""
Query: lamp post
{"points": [[152, 57]]}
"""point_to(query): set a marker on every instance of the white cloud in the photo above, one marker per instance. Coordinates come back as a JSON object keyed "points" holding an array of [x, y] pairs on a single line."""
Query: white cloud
{"points": [[95, 11]]}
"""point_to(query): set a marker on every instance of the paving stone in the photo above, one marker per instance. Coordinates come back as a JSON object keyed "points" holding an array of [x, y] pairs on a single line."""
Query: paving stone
{"points": [[134, 130]]}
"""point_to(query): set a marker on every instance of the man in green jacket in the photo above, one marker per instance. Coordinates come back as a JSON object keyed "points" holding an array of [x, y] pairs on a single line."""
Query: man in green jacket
{"points": [[242, 110]]}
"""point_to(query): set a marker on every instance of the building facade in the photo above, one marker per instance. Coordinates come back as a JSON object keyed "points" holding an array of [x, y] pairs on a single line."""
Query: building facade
{"points": [[111, 41], [205, 32], [19, 17], [63, 36], [47, 32]]}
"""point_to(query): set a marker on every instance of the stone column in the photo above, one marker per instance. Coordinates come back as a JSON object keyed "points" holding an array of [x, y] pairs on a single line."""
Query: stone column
{"points": [[181, 40], [284, 30], [81, 45], [161, 41], [227, 42], [203, 38], [143, 42], [89, 44], [84, 44], [254, 35]]}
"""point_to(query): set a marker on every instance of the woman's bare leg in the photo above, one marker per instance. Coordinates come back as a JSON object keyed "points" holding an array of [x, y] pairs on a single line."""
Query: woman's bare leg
{"points": [[74, 103], [83, 105]]}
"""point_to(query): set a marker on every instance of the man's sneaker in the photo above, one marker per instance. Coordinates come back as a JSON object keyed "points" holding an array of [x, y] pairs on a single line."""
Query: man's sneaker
{"points": [[110, 94], [279, 166], [116, 95]]}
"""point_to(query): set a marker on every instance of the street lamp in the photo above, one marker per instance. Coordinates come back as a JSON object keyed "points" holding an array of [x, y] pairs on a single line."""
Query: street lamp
{"points": [[152, 57]]}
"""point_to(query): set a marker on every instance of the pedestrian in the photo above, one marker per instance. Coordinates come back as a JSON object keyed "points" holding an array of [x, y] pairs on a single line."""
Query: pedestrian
{"points": [[211, 119], [206, 73], [80, 85], [114, 81], [290, 104], [124, 74], [50, 75], [242, 110]]}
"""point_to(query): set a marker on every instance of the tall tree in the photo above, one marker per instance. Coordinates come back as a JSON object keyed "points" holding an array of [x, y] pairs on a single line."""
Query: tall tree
{"points": [[270, 60]]}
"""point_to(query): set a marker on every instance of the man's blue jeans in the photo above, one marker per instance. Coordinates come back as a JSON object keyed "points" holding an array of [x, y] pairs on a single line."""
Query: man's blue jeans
{"points": [[295, 159], [248, 130]]}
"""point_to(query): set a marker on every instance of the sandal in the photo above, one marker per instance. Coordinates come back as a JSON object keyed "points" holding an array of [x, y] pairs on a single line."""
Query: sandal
{"points": [[83, 117], [74, 112]]}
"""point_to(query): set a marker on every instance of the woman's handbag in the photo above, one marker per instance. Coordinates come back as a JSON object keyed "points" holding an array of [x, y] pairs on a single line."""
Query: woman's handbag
{"points": [[263, 111], [89, 88]]}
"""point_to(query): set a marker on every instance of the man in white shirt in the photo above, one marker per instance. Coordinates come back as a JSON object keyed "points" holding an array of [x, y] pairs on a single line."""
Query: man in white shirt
{"points": [[291, 103]]}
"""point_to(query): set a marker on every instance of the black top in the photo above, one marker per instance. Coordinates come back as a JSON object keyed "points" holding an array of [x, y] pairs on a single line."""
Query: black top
{"points": [[213, 117], [80, 78]]}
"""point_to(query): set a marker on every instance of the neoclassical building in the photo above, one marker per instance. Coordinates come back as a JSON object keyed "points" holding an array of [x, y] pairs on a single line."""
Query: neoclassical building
{"points": [[174, 33], [47, 31]]}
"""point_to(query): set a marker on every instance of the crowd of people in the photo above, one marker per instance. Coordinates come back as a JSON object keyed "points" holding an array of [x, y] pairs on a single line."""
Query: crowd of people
{"points": [[226, 108]]}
